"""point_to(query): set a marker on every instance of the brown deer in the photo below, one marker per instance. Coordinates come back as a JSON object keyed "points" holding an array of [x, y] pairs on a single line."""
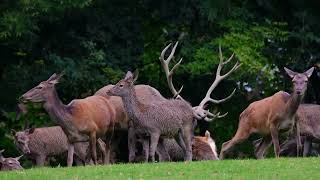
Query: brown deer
{"points": [[82, 119], [167, 118], [269, 115], [8, 164], [307, 125]]}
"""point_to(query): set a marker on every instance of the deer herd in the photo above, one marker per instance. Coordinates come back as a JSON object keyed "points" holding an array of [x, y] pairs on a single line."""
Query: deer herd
{"points": [[163, 128]]}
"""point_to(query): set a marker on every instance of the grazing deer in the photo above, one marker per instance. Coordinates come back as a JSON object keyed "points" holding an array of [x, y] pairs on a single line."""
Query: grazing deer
{"points": [[167, 118], [269, 115], [8, 164], [82, 120], [307, 125]]}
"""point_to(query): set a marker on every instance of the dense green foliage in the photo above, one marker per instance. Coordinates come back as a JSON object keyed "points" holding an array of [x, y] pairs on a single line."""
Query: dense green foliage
{"points": [[96, 42], [297, 168]]}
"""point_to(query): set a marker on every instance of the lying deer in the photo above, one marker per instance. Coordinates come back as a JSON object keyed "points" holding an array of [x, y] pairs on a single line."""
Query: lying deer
{"points": [[269, 115], [82, 120], [167, 118], [8, 164], [204, 148]]}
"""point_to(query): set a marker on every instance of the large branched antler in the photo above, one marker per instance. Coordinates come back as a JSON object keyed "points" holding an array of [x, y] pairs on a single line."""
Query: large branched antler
{"points": [[200, 111], [168, 72]]}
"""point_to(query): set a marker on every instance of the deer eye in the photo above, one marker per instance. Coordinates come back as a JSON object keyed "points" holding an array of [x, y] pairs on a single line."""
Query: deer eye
{"points": [[39, 87], [121, 85]]}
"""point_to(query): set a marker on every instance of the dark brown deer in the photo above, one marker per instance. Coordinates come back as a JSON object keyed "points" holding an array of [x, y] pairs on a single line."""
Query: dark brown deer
{"points": [[167, 118], [82, 119], [8, 164], [269, 115]]}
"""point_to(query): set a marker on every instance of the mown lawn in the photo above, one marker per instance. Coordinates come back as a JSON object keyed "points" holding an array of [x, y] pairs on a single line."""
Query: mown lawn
{"points": [[283, 168]]}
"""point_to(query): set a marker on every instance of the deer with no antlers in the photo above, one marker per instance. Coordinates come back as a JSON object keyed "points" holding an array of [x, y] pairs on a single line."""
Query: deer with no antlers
{"points": [[81, 120], [269, 115], [8, 164], [167, 118]]}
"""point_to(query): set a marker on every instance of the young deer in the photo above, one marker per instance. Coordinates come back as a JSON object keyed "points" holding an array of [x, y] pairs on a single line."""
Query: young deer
{"points": [[81, 120], [269, 115], [166, 118]]}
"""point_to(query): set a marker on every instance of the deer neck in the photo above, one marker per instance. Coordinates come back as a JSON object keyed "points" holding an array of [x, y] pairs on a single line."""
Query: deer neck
{"points": [[132, 105], [293, 104], [59, 113]]}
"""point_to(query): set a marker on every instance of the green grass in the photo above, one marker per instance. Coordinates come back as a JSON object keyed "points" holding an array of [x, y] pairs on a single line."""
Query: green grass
{"points": [[283, 168]]}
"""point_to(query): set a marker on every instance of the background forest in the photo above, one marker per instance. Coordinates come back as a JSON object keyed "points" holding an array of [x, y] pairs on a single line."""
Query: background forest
{"points": [[95, 42]]}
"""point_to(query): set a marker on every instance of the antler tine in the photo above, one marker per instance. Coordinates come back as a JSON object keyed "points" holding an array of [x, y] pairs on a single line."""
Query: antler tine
{"points": [[169, 73], [218, 78]]}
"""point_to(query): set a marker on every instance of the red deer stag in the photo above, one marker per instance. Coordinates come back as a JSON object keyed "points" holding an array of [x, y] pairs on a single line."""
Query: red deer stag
{"points": [[82, 119], [167, 118], [269, 115]]}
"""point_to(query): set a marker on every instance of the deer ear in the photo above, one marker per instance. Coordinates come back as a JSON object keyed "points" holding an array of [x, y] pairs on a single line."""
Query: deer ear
{"points": [[13, 132], [54, 79], [17, 158], [30, 131], [207, 134], [290, 73], [128, 76], [309, 72], [135, 75]]}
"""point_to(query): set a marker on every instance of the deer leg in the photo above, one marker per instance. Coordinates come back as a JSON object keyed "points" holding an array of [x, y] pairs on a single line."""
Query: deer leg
{"points": [[146, 148], [70, 154], [307, 145], [93, 146], [162, 151], [104, 150], [154, 139], [132, 144], [242, 134], [187, 135], [275, 140], [180, 141], [262, 147], [40, 160]]}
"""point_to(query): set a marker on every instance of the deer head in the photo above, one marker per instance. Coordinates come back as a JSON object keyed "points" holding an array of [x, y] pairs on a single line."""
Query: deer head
{"points": [[9, 163], [124, 85], [299, 80], [199, 111], [22, 139], [41, 92]]}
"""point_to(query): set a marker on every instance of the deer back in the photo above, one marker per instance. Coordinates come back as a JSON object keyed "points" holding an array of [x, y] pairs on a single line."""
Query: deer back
{"points": [[145, 93], [256, 113]]}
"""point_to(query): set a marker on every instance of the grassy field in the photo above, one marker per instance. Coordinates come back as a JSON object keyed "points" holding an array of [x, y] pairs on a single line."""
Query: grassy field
{"points": [[283, 168]]}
